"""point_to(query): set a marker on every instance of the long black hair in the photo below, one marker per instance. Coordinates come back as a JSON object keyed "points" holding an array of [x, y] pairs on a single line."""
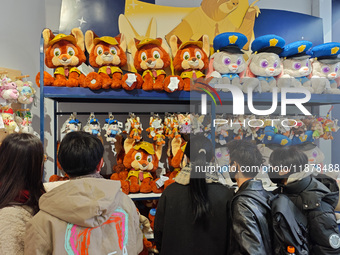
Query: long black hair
{"points": [[21, 168], [199, 150]]}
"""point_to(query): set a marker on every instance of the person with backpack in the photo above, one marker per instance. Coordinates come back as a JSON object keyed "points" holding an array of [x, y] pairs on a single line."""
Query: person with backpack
{"points": [[291, 171], [251, 232], [88, 214]]}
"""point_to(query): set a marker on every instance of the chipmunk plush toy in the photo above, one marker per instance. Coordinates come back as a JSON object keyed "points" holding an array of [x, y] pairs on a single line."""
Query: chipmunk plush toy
{"points": [[151, 58], [227, 63], [191, 58], [264, 63], [296, 66], [108, 54], [326, 66], [141, 159], [64, 53]]}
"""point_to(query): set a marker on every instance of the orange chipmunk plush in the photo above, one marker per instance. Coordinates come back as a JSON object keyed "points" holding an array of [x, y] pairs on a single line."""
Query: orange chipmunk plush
{"points": [[64, 53], [151, 58], [142, 160], [191, 58], [108, 55]]}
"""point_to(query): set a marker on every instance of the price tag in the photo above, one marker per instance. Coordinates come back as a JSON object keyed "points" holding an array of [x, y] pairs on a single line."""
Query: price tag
{"points": [[131, 79], [160, 182]]}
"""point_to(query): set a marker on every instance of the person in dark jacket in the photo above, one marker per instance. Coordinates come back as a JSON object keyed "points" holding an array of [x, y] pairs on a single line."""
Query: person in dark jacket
{"points": [[192, 215], [251, 233], [312, 197]]}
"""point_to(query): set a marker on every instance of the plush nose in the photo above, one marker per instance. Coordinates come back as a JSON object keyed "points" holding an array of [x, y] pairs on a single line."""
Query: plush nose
{"points": [[333, 74], [305, 69], [106, 53], [64, 58], [234, 66], [144, 165], [194, 59], [149, 61], [271, 69]]}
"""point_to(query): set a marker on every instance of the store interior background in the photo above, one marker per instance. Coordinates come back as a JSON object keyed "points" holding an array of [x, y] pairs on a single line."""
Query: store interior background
{"points": [[22, 22]]}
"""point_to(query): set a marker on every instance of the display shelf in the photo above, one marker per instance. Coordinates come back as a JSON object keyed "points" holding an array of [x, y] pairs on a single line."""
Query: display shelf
{"points": [[145, 196]]}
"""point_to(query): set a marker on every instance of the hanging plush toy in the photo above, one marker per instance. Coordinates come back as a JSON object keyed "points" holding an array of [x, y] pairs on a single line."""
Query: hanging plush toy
{"points": [[113, 131], [191, 58], [326, 68], [264, 63], [64, 53], [151, 58], [133, 127], [297, 66], [108, 55], [9, 121], [228, 62], [156, 129], [300, 134], [72, 124], [184, 123], [26, 92], [93, 126], [197, 123], [8, 90]]}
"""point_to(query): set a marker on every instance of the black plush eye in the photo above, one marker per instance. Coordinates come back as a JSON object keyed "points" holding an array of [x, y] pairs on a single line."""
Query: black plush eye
{"points": [[143, 56], [56, 52], [113, 51], [100, 50], [186, 55], [70, 51]]}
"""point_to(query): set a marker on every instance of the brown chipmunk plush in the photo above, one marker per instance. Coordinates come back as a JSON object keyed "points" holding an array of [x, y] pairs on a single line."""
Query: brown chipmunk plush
{"points": [[151, 58], [108, 54], [141, 159], [191, 58], [64, 53]]}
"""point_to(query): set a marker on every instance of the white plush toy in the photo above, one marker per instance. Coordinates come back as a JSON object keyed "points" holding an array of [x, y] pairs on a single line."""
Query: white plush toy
{"points": [[297, 66], [326, 68], [264, 64], [227, 63]]}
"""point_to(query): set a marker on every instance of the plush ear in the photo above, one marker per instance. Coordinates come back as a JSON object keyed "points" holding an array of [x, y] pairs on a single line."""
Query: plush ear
{"points": [[176, 145], [180, 117], [158, 151], [211, 65], [206, 45], [122, 41], [128, 144], [78, 34], [133, 47], [174, 45], [48, 36], [248, 71], [89, 36]]}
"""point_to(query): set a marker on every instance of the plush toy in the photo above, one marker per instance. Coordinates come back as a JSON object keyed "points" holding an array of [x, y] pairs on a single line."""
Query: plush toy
{"points": [[272, 136], [184, 123], [326, 68], [133, 127], [64, 53], [72, 124], [300, 134], [112, 132], [141, 159], [227, 62], [93, 126], [264, 63], [9, 121], [107, 54], [329, 126], [151, 58], [197, 123], [191, 58], [8, 90], [297, 66], [26, 92]]}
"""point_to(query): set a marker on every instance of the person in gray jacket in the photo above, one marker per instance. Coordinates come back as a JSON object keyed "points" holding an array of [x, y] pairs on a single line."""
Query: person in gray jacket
{"points": [[88, 214]]}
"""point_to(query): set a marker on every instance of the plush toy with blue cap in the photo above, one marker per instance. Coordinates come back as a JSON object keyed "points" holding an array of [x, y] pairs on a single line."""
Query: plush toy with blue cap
{"points": [[264, 63], [227, 62], [297, 66], [93, 126], [72, 124], [326, 68]]}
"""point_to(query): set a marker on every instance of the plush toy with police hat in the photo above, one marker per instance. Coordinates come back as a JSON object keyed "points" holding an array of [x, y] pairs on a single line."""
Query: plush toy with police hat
{"points": [[326, 68], [108, 55], [64, 53], [297, 66], [191, 58], [227, 62], [264, 63]]}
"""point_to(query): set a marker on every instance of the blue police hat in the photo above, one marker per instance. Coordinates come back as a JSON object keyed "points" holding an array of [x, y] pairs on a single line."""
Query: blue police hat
{"points": [[74, 121], [268, 43], [230, 42], [296, 50], [327, 52], [113, 122], [93, 121]]}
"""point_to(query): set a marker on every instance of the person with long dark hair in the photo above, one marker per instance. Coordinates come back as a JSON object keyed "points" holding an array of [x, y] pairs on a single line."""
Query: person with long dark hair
{"points": [[21, 172], [192, 213]]}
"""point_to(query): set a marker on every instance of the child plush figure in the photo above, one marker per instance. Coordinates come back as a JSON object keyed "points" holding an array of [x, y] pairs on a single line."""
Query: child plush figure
{"points": [[108, 55], [264, 63], [326, 68], [151, 59], [64, 53], [228, 61], [296, 66], [191, 58]]}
